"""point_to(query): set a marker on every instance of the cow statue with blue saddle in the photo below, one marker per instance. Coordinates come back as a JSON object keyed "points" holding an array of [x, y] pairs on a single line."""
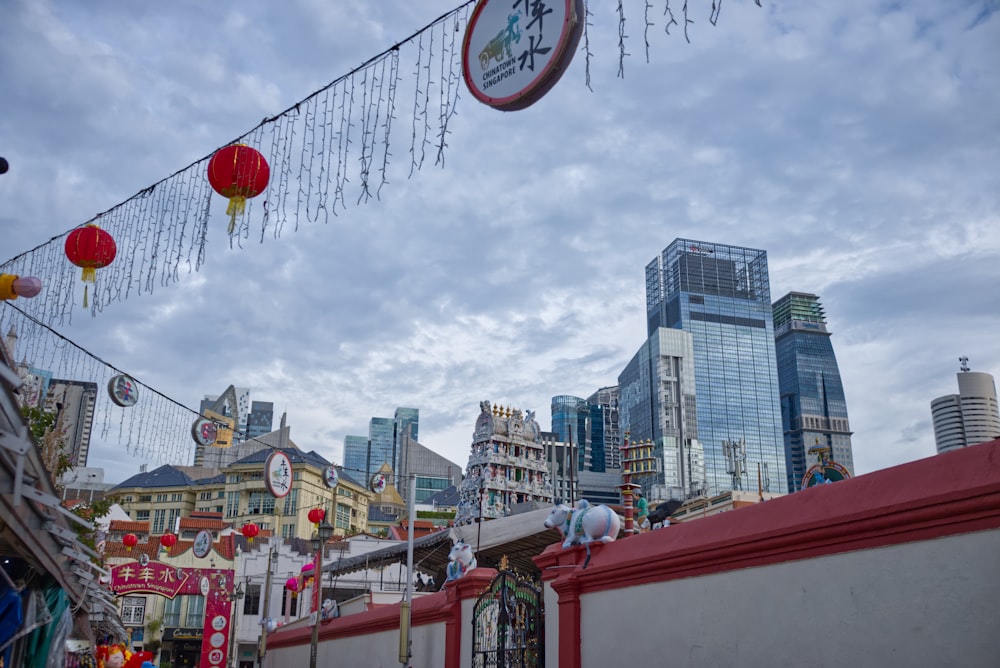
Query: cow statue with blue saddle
{"points": [[584, 524], [461, 560]]}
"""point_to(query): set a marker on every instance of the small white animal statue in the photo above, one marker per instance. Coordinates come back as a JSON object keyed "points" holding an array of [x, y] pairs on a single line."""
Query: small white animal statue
{"points": [[460, 560], [585, 523]]}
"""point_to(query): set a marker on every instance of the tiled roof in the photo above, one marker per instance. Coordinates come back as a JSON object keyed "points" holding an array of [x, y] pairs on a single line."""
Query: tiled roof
{"points": [[201, 523], [128, 526], [115, 549], [294, 455], [224, 547], [164, 476]]}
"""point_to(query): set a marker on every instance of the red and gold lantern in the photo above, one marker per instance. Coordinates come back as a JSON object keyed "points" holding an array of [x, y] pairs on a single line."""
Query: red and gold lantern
{"points": [[90, 248], [316, 515], [129, 540], [238, 172], [292, 585], [249, 531], [168, 540]]}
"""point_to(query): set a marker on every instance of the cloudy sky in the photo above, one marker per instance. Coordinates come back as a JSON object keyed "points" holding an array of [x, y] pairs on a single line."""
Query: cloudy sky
{"points": [[858, 142]]}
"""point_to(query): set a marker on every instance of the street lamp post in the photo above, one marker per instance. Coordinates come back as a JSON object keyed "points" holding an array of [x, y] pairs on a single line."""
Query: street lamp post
{"points": [[323, 533]]}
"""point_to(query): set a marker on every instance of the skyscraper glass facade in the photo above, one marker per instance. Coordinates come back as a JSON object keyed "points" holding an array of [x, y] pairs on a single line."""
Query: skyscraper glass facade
{"points": [[721, 295], [569, 423], [356, 457], [381, 434], [813, 407], [606, 422]]}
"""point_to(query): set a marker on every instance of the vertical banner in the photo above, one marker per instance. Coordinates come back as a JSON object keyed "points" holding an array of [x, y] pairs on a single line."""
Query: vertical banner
{"points": [[217, 588]]}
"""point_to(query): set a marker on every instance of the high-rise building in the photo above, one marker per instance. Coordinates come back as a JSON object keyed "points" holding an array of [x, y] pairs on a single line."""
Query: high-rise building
{"points": [[657, 404], [356, 457], [604, 426], [813, 407], [569, 424], [969, 417], [72, 402], [721, 294], [381, 437], [260, 419], [407, 424]]}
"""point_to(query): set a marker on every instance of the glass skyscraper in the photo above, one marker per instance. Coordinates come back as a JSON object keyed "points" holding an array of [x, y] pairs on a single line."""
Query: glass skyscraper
{"points": [[813, 407], [721, 294], [569, 423], [356, 458]]}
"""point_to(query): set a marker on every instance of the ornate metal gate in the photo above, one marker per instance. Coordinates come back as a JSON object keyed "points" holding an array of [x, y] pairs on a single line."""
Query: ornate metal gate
{"points": [[508, 624]]}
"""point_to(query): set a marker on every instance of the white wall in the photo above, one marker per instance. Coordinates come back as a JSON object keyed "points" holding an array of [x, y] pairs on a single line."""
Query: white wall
{"points": [[930, 603]]}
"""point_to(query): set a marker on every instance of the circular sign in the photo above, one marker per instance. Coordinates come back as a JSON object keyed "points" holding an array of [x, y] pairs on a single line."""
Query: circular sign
{"points": [[215, 656], [217, 640], [204, 431], [204, 586], [202, 544], [278, 474], [379, 482], [514, 52], [144, 559], [123, 391], [330, 477], [219, 622]]}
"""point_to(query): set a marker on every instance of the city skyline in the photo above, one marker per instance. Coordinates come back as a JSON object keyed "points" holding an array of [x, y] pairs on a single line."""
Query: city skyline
{"points": [[846, 140]]}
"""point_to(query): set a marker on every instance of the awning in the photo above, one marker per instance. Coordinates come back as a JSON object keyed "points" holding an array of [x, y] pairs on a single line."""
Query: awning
{"points": [[518, 537]]}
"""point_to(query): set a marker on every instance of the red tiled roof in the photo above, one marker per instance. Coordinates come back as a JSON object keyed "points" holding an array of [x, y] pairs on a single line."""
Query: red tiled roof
{"points": [[202, 523], [224, 547], [206, 515], [115, 549], [128, 526]]}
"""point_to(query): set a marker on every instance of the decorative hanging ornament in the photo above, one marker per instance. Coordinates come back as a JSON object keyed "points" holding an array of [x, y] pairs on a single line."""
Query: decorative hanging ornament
{"points": [[168, 540], [129, 540], [308, 573], [316, 515], [238, 172], [123, 391], [292, 585], [91, 248], [249, 531]]}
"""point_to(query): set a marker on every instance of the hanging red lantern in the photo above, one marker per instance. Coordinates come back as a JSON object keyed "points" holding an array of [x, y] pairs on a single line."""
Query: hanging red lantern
{"points": [[249, 531], [129, 540], [308, 572], [238, 172], [168, 540], [292, 585], [316, 515], [91, 248]]}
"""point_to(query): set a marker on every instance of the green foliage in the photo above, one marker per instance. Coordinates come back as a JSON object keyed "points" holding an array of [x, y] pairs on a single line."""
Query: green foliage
{"points": [[435, 515], [39, 421]]}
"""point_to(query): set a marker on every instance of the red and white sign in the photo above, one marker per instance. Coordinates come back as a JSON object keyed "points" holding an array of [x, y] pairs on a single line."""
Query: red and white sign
{"points": [[515, 51]]}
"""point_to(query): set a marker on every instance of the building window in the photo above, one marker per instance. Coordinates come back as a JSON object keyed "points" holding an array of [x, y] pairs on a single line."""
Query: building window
{"points": [[145, 498], [221, 495], [251, 601], [292, 502], [204, 496], [177, 497], [172, 518], [233, 504], [233, 478], [291, 606], [142, 516], [343, 517], [195, 617], [159, 517], [161, 498], [133, 610], [260, 504], [172, 611]]}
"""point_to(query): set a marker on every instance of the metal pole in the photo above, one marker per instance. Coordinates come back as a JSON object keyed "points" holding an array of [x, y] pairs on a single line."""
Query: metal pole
{"points": [[314, 618], [267, 603], [405, 641]]}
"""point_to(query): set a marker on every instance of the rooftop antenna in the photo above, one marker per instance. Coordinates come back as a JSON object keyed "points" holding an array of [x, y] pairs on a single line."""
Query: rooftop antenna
{"points": [[965, 363]]}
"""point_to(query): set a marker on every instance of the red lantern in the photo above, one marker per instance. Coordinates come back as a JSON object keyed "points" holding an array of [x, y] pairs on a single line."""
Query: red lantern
{"points": [[292, 585], [316, 515], [308, 572], [250, 530], [129, 541], [91, 248], [238, 172], [168, 540]]}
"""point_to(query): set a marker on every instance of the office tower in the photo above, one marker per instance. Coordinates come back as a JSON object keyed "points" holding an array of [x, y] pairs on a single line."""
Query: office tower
{"points": [[813, 407], [657, 403], [406, 423], [969, 417], [234, 404], [722, 296], [433, 472], [381, 438], [603, 427], [260, 419], [356, 457], [569, 424], [72, 402]]}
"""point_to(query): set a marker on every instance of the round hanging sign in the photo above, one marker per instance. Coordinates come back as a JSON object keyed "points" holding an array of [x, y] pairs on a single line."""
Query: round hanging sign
{"points": [[123, 391], [330, 477], [278, 474], [514, 52], [204, 431], [379, 482], [202, 543]]}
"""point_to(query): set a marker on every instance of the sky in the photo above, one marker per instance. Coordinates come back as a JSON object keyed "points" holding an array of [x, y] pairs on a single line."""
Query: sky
{"points": [[857, 142]]}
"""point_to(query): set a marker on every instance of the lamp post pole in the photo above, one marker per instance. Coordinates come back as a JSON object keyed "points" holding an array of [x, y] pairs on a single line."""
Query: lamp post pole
{"points": [[323, 533]]}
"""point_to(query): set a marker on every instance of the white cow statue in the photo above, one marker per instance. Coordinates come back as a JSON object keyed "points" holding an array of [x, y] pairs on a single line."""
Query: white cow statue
{"points": [[585, 523], [461, 560]]}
